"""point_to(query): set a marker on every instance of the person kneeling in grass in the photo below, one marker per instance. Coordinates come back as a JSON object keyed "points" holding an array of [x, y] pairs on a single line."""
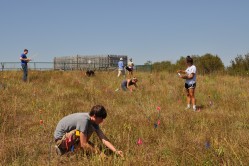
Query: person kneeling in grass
{"points": [[126, 84], [76, 129]]}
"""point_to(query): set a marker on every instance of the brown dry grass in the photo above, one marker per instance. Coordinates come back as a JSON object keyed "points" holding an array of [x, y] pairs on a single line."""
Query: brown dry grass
{"points": [[179, 140]]}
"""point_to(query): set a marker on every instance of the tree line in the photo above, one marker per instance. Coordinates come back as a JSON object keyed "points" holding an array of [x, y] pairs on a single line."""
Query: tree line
{"points": [[206, 64]]}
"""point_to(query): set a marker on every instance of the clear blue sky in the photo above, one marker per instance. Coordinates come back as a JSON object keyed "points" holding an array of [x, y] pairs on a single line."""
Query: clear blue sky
{"points": [[153, 30]]}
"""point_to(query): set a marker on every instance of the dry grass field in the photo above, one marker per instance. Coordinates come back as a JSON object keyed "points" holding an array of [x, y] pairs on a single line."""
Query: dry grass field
{"points": [[216, 135]]}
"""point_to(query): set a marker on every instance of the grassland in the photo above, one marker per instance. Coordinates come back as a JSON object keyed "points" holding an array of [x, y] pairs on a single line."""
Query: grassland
{"points": [[217, 135]]}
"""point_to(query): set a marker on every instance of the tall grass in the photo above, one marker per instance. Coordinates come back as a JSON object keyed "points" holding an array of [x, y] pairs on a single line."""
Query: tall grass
{"points": [[217, 135]]}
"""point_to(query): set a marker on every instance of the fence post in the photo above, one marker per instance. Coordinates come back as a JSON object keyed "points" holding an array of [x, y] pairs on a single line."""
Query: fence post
{"points": [[2, 64], [77, 62]]}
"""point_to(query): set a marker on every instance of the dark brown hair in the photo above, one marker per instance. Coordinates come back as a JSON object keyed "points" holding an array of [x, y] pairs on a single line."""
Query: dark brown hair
{"points": [[189, 60], [98, 111], [25, 50]]}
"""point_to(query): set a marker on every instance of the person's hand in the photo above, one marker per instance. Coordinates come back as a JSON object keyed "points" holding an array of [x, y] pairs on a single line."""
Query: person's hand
{"points": [[130, 89], [119, 153]]}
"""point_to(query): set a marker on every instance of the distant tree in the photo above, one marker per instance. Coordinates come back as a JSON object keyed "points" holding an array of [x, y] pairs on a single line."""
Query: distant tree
{"points": [[149, 62], [205, 64], [163, 66], [181, 63], [239, 65], [209, 63]]}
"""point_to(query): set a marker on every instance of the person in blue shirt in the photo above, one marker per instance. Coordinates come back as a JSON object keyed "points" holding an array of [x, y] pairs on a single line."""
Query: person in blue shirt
{"points": [[120, 67], [24, 63]]}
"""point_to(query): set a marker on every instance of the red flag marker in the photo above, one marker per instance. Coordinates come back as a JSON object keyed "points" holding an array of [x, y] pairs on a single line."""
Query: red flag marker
{"points": [[139, 141]]}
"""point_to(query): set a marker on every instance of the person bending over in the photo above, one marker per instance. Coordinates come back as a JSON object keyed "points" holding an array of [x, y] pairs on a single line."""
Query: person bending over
{"points": [[126, 84], [75, 130]]}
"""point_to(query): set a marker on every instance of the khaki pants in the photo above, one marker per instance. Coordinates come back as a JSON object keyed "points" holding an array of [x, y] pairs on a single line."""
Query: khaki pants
{"points": [[120, 71]]}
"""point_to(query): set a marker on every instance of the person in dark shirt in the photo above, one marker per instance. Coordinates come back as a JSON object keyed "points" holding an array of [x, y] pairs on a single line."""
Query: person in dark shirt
{"points": [[24, 64], [126, 84]]}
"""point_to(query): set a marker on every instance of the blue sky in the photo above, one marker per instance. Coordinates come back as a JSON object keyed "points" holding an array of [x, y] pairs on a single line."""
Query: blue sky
{"points": [[153, 30]]}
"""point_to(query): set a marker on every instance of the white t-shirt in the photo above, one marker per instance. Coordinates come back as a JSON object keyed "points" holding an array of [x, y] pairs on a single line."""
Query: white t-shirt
{"points": [[190, 70], [130, 64]]}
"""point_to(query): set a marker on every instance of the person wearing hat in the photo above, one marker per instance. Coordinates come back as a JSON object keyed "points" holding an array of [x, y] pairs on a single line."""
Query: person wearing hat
{"points": [[130, 67], [126, 84], [120, 67]]}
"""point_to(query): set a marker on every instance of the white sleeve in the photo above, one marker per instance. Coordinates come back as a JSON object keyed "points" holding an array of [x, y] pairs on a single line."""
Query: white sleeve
{"points": [[193, 70]]}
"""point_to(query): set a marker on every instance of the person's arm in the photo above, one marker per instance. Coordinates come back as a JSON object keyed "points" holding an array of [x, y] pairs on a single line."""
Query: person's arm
{"points": [[128, 87], [187, 76], [85, 145], [25, 59], [127, 84], [107, 143], [181, 71]]}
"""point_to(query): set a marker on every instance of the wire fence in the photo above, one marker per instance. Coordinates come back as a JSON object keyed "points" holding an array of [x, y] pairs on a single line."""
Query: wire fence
{"points": [[7, 66]]}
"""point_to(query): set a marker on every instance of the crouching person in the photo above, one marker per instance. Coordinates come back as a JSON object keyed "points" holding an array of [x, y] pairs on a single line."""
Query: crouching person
{"points": [[126, 84], [76, 129], [89, 73]]}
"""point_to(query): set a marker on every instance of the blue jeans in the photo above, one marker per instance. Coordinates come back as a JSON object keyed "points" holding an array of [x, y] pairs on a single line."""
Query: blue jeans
{"points": [[25, 72], [124, 85]]}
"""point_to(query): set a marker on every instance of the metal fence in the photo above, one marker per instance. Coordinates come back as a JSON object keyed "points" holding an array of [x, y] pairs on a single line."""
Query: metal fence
{"points": [[32, 65], [78, 62], [6, 66]]}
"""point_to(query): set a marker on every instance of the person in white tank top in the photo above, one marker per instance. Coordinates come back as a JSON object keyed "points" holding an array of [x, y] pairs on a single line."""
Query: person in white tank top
{"points": [[190, 82]]}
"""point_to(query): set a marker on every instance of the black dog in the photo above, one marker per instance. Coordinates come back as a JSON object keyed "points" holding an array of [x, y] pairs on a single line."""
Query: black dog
{"points": [[90, 73]]}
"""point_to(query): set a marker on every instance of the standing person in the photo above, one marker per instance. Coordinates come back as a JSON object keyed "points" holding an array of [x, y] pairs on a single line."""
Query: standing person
{"points": [[126, 84], [24, 63], [77, 128], [190, 83], [120, 67], [130, 67]]}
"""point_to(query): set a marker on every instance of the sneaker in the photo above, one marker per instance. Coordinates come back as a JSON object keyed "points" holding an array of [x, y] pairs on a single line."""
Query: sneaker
{"points": [[188, 107], [194, 109], [58, 150]]}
